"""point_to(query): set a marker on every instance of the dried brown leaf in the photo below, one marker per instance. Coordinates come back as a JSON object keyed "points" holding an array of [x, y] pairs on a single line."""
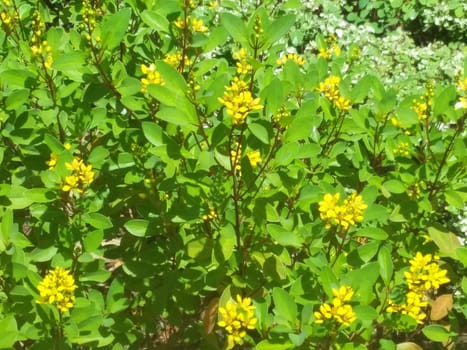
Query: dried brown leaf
{"points": [[441, 307], [209, 315]]}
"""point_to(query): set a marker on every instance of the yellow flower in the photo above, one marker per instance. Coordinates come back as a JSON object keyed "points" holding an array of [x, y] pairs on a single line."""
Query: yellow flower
{"points": [[324, 53], [174, 59], [213, 5], [152, 76], [57, 289], [211, 215], [197, 25], [239, 101], [81, 175], [236, 318], [291, 57], [71, 182], [425, 273], [235, 159], [421, 109], [423, 276], [344, 293], [254, 157], [330, 89], [6, 19], [339, 310], [461, 104], [345, 215], [53, 160], [462, 85]]}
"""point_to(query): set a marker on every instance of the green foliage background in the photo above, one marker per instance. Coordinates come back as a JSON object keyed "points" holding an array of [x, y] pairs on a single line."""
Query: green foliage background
{"points": [[169, 229]]}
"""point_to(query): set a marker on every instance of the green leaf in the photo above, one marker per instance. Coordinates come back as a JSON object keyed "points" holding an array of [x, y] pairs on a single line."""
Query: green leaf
{"points": [[442, 102], [175, 116], [16, 78], [395, 186], [461, 255], [372, 232], [365, 312], [299, 129], [69, 61], [155, 21], [286, 154], [235, 26], [9, 332], [278, 28], [284, 305], [98, 156], [16, 196], [101, 275], [92, 240], [41, 255], [446, 241], [436, 333], [227, 241], [269, 345], [153, 133], [273, 95], [260, 132], [367, 251], [376, 212], [137, 227], [114, 27], [454, 198], [97, 220], [16, 98], [284, 237], [386, 266]]}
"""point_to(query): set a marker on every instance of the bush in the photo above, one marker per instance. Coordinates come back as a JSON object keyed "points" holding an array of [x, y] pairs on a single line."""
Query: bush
{"points": [[183, 174]]}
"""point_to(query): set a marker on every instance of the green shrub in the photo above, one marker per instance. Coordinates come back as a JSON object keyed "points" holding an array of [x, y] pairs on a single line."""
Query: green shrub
{"points": [[175, 175]]}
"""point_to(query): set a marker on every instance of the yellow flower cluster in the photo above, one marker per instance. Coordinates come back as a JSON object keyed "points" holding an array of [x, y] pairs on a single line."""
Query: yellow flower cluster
{"points": [[175, 58], [415, 190], [52, 162], [258, 27], [40, 48], [81, 176], [403, 149], [424, 276], [89, 18], [422, 104], [236, 318], [254, 157], [338, 309], [195, 24], [152, 76], [291, 57], [239, 101], [421, 108], [462, 90], [343, 215], [331, 48], [211, 215], [213, 4], [57, 289], [8, 16], [5, 18], [330, 89], [243, 67], [235, 159], [283, 112]]}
